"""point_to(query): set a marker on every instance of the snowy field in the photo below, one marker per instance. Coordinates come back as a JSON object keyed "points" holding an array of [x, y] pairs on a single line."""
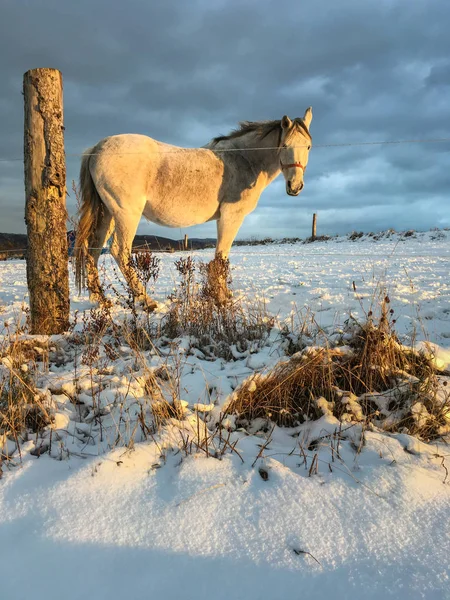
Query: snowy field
{"points": [[90, 519], [414, 271]]}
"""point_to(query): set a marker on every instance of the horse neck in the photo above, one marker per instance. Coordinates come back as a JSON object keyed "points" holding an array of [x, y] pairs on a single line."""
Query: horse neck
{"points": [[262, 154]]}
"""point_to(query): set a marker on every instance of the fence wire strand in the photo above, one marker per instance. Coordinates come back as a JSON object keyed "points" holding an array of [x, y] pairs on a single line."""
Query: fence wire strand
{"points": [[226, 150], [308, 255]]}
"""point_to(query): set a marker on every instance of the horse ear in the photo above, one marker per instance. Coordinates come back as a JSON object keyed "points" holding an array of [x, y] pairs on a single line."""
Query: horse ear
{"points": [[286, 122], [308, 117]]}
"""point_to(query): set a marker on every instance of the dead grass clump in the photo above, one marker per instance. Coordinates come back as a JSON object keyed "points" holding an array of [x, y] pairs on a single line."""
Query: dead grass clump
{"points": [[162, 391], [204, 309], [99, 335], [374, 379], [379, 361], [23, 409], [23, 351], [288, 394], [163, 411]]}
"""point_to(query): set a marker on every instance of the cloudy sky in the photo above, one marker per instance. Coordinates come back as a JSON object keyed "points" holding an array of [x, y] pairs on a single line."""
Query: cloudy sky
{"points": [[184, 71]]}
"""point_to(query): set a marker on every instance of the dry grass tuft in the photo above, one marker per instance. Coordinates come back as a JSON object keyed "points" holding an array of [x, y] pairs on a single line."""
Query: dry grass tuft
{"points": [[204, 309], [162, 389], [286, 395], [374, 379], [378, 357], [23, 409]]}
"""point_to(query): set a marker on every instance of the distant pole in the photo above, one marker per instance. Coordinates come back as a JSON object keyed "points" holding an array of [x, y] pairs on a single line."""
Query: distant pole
{"points": [[186, 242], [314, 227], [45, 195]]}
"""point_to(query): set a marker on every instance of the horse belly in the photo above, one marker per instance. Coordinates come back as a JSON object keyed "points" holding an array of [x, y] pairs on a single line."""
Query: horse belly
{"points": [[183, 201], [185, 189], [173, 212]]}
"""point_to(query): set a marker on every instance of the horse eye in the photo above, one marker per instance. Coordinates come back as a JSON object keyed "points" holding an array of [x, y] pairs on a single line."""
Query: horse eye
{"points": [[309, 147]]}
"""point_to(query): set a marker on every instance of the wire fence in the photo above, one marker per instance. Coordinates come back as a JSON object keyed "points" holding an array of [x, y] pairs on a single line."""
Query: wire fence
{"points": [[225, 150], [392, 256]]}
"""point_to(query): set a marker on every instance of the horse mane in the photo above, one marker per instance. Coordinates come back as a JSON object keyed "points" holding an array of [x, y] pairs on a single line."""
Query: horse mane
{"points": [[262, 130]]}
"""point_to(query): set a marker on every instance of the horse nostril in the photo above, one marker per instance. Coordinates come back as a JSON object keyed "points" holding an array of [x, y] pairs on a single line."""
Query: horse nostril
{"points": [[301, 186], [289, 186]]}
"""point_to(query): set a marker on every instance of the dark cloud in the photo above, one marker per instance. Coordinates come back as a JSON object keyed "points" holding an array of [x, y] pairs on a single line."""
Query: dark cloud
{"points": [[184, 72]]}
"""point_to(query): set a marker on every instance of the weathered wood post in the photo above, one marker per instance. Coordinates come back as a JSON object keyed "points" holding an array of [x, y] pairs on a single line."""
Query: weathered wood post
{"points": [[186, 242], [45, 208], [314, 227]]}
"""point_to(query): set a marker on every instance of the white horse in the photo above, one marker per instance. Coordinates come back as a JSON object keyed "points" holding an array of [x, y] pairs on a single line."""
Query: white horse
{"points": [[126, 176]]}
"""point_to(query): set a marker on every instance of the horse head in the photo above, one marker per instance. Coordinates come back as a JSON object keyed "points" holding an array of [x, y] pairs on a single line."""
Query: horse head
{"points": [[295, 144]]}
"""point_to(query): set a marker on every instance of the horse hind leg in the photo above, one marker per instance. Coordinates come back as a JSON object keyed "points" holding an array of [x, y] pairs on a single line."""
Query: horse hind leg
{"points": [[105, 227], [121, 252]]}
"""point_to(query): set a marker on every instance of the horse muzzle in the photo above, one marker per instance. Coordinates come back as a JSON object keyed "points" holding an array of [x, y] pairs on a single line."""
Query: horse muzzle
{"points": [[294, 191]]}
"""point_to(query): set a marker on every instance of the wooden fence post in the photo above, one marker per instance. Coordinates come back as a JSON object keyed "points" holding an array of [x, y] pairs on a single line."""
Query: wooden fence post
{"points": [[45, 208], [314, 227], [186, 242]]}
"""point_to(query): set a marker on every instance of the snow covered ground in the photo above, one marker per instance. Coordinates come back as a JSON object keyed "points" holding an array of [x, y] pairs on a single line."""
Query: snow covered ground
{"points": [[413, 270], [155, 522]]}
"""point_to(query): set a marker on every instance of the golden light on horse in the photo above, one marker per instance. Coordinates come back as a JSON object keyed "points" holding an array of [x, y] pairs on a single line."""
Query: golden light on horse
{"points": [[125, 177]]}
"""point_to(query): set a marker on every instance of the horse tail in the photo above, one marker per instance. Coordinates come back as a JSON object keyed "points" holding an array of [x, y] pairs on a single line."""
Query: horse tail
{"points": [[89, 213]]}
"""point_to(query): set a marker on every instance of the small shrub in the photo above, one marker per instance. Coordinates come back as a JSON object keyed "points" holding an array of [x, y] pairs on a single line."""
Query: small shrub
{"points": [[146, 265], [204, 309]]}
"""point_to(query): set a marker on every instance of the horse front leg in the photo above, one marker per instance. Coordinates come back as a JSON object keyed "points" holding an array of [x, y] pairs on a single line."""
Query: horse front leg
{"points": [[121, 252], [228, 225]]}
